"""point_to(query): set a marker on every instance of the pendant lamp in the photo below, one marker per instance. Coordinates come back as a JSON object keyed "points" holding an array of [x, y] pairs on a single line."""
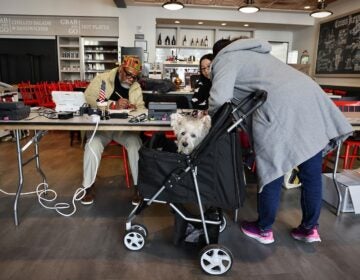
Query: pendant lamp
{"points": [[248, 7], [173, 5], [321, 12]]}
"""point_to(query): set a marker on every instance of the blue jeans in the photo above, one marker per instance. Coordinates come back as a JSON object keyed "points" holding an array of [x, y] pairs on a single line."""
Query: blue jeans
{"points": [[311, 195]]}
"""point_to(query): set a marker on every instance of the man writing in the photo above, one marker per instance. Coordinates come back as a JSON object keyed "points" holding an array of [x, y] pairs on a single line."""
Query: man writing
{"points": [[122, 88]]}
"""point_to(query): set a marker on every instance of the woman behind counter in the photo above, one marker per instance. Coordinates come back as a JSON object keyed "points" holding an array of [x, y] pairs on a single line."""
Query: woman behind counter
{"points": [[203, 86]]}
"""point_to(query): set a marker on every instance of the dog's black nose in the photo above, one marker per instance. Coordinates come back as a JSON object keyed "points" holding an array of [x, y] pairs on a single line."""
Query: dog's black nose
{"points": [[185, 144]]}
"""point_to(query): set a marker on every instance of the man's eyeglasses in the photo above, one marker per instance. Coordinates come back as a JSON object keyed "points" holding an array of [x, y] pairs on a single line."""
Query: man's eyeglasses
{"points": [[129, 75], [138, 119]]}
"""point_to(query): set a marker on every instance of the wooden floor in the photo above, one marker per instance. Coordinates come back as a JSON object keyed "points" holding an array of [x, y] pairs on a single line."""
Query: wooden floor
{"points": [[89, 244]]}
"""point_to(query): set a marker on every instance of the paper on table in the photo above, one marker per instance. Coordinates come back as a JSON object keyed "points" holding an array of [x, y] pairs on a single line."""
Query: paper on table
{"points": [[120, 111]]}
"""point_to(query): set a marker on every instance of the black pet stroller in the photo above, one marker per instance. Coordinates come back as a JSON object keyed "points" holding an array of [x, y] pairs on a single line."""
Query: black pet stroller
{"points": [[211, 175]]}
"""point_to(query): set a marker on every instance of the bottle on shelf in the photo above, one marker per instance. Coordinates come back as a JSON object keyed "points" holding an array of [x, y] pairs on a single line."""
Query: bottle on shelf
{"points": [[206, 42], [173, 41], [167, 41], [184, 41], [197, 42], [202, 42], [192, 42], [159, 42]]}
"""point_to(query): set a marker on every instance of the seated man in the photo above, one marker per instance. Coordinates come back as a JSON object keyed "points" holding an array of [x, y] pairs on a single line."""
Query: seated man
{"points": [[122, 87]]}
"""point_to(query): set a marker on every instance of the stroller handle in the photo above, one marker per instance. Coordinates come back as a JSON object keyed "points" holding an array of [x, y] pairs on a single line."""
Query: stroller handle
{"points": [[257, 98]]}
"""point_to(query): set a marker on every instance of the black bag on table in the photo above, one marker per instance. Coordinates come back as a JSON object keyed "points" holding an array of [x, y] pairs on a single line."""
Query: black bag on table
{"points": [[14, 111]]}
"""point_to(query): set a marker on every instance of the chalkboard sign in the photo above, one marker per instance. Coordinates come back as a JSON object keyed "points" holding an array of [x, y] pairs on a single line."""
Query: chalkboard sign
{"points": [[338, 50]]}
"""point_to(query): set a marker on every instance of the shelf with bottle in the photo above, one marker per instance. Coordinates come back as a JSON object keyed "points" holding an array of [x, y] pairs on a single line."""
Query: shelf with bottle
{"points": [[195, 37], [69, 58], [69, 52], [98, 55], [95, 67], [183, 47], [101, 51]]}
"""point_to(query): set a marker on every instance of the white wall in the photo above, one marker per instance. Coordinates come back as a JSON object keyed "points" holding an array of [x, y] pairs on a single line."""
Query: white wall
{"points": [[303, 39]]}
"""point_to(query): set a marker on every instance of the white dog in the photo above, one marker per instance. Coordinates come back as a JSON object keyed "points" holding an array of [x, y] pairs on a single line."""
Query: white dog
{"points": [[190, 131]]}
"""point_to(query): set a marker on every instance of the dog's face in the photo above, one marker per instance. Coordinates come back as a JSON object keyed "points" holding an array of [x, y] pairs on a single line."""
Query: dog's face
{"points": [[189, 131]]}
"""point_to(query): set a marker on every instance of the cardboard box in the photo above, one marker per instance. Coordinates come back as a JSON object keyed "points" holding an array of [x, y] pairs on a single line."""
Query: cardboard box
{"points": [[349, 184]]}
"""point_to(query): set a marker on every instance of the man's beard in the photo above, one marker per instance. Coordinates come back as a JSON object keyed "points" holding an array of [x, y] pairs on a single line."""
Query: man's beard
{"points": [[125, 85]]}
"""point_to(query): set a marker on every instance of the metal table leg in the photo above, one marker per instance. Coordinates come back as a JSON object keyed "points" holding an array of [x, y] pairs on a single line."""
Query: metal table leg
{"points": [[21, 177], [339, 143], [35, 140]]}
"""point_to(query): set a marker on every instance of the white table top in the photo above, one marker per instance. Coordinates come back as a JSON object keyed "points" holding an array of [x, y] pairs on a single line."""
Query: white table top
{"points": [[85, 122]]}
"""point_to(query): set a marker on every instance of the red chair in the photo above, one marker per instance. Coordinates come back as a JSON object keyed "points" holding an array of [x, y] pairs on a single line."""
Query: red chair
{"points": [[44, 98], [168, 134], [351, 146], [28, 94], [123, 155], [65, 86]]}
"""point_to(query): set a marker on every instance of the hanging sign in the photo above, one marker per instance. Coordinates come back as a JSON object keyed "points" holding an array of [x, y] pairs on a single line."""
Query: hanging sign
{"points": [[58, 25]]}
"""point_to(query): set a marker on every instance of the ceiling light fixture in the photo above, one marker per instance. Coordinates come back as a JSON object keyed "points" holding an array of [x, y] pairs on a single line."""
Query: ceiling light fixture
{"points": [[321, 12], [248, 7], [173, 5], [223, 24], [200, 22]]}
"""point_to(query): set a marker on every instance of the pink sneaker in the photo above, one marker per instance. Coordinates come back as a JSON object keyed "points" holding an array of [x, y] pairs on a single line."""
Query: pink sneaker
{"points": [[306, 235], [252, 230]]}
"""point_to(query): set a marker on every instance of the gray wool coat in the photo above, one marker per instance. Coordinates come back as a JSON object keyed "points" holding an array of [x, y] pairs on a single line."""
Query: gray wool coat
{"points": [[298, 119]]}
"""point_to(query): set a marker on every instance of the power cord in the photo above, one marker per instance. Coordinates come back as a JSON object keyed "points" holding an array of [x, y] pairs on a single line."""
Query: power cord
{"points": [[78, 195]]}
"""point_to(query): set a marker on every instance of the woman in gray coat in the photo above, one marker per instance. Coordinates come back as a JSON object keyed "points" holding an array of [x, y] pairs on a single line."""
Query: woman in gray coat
{"points": [[292, 128]]}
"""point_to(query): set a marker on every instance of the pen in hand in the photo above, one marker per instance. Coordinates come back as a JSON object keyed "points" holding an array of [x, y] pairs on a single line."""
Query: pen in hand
{"points": [[118, 94], [122, 103]]}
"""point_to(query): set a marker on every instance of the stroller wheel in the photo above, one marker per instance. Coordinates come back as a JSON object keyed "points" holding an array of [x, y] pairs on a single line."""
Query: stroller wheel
{"points": [[223, 224], [215, 259], [140, 228], [134, 240]]}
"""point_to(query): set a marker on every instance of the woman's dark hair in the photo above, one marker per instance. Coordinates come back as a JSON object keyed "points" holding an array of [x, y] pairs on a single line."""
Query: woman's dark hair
{"points": [[222, 43], [208, 56], [219, 45]]}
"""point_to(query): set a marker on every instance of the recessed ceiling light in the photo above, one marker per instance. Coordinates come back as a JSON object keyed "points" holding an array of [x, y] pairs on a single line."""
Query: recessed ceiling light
{"points": [[246, 24], [223, 24], [200, 22], [176, 21], [307, 7]]}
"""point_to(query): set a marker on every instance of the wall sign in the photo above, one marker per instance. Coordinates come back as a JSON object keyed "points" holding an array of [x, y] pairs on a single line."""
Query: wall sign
{"points": [[338, 52], [58, 25]]}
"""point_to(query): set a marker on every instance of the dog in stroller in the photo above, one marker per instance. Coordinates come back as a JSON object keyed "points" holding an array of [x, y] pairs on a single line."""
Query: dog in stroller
{"points": [[190, 130], [176, 179]]}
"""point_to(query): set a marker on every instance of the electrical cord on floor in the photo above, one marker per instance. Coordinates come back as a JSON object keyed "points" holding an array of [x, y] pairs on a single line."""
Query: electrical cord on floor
{"points": [[78, 195]]}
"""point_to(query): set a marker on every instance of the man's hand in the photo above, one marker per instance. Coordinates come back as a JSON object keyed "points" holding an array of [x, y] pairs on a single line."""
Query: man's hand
{"points": [[122, 103]]}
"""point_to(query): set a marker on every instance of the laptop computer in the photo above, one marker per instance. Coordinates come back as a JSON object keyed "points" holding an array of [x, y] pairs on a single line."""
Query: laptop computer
{"points": [[68, 101]]}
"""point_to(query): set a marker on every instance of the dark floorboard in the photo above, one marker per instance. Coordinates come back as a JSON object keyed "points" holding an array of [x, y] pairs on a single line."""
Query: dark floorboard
{"points": [[89, 244]]}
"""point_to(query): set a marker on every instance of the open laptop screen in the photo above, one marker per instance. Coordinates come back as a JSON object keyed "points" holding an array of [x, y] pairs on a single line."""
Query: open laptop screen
{"points": [[68, 101]]}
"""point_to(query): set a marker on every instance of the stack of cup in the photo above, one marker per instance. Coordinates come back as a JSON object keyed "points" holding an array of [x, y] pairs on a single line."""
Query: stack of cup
{"points": [[103, 107]]}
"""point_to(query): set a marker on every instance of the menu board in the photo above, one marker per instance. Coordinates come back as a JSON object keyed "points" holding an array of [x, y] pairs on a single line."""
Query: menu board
{"points": [[58, 25], [338, 50]]}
